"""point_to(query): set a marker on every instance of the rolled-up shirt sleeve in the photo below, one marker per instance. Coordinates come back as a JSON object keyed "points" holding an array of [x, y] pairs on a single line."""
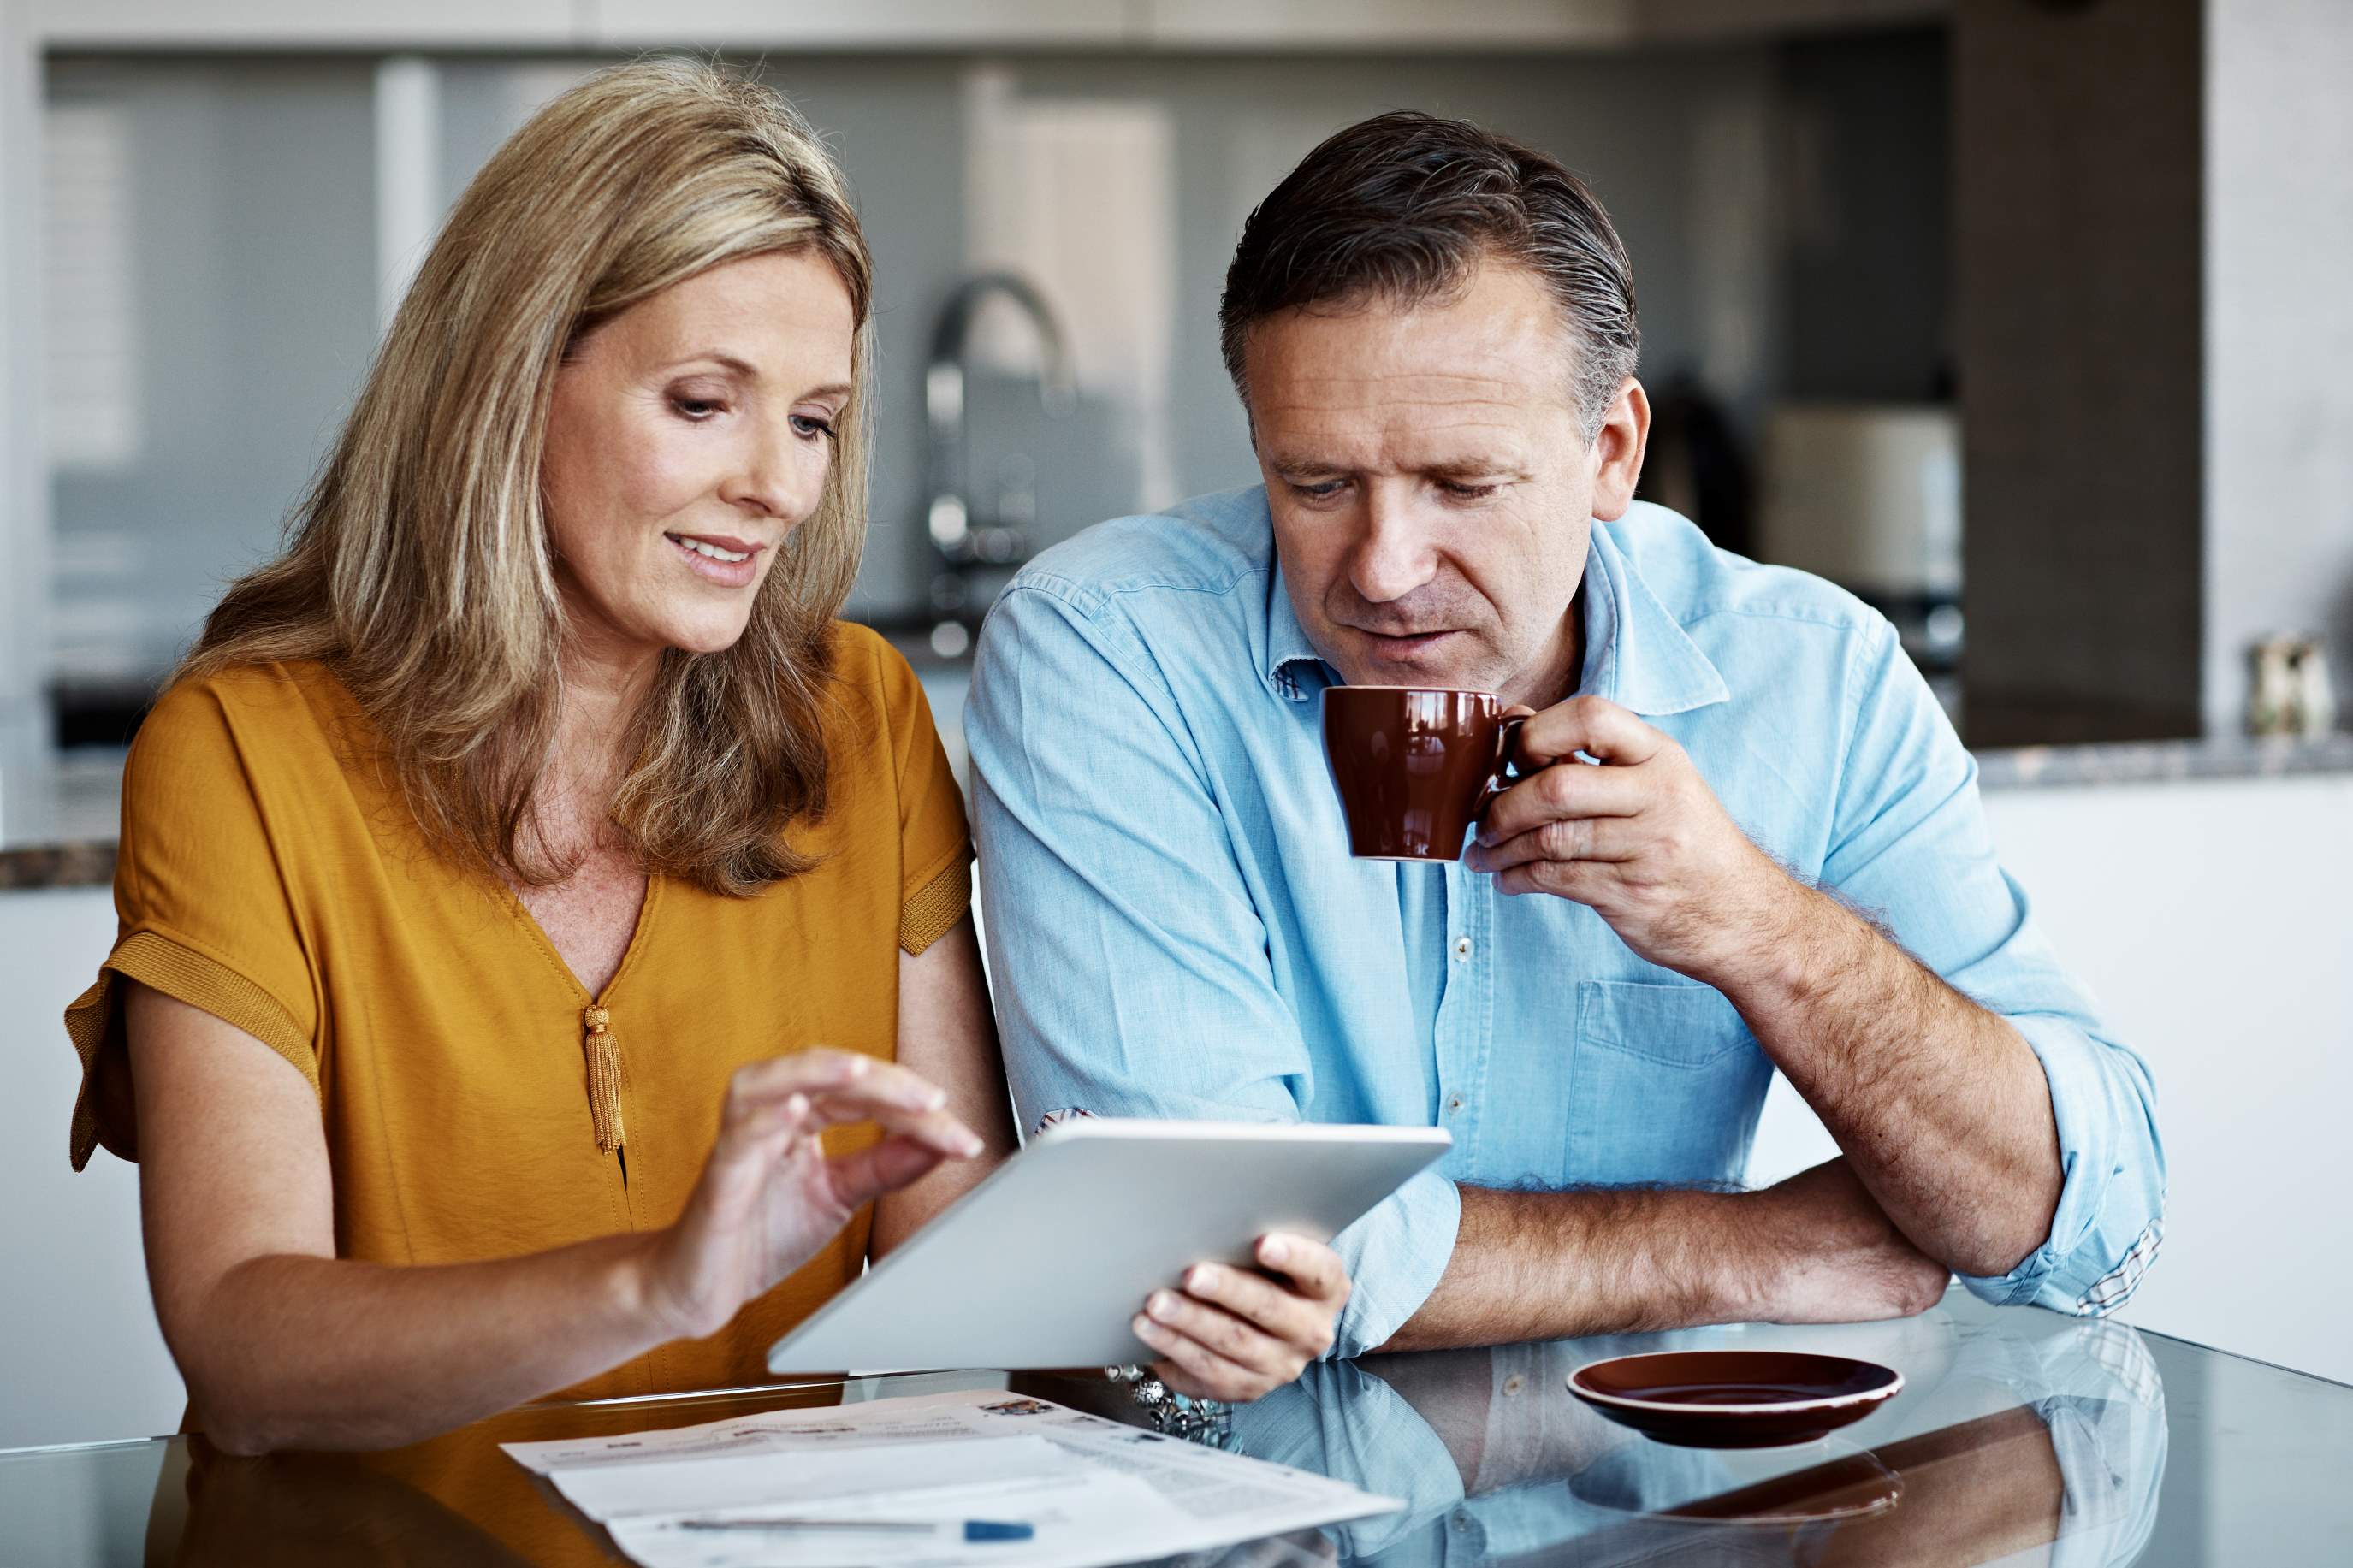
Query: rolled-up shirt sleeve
{"points": [[1911, 849], [1128, 961]]}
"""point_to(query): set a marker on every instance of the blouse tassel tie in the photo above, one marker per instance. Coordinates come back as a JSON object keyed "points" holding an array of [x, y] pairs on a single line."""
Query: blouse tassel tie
{"points": [[603, 1078]]}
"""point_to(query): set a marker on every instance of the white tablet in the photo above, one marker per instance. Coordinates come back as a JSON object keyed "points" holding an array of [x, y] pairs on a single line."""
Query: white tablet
{"points": [[1044, 1263]]}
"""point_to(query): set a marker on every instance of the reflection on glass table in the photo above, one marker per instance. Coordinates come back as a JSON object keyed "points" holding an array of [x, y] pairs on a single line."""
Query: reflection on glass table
{"points": [[2020, 1435]]}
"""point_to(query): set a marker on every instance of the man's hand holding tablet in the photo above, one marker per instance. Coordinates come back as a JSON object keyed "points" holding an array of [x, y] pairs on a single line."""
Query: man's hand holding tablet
{"points": [[1236, 1334]]}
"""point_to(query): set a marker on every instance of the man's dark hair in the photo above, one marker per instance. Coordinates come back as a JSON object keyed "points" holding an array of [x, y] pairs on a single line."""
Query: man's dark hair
{"points": [[1403, 206]]}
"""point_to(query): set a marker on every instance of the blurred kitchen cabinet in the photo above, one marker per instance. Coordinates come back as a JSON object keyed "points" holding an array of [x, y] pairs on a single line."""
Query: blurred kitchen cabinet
{"points": [[785, 25], [873, 24], [1364, 25], [302, 24], [1325, 25]]}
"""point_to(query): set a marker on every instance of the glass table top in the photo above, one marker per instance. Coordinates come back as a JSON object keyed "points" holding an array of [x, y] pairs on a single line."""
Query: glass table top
{"points": [[2019, 1436]]}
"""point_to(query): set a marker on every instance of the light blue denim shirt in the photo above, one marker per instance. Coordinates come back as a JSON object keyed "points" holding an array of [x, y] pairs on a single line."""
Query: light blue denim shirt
{"points": [[1175, 928]]}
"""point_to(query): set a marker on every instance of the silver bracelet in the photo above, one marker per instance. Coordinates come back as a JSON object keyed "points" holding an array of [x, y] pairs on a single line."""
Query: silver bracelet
{"points": [[1205, 1421]]}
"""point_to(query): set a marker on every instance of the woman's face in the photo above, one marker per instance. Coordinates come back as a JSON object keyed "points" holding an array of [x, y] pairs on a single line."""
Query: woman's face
{"points": [[688, 436]]}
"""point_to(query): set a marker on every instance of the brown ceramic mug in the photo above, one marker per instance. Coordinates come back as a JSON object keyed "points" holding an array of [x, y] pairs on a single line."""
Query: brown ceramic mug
{"points": [[1415, 766]]}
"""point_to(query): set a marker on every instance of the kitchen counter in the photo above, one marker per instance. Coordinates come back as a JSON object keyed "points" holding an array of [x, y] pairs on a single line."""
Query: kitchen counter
{"points": [[2165, 761], [57, 826]]}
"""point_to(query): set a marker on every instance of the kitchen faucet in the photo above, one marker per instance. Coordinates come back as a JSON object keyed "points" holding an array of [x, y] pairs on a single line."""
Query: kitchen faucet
{"points": [[971, 539]]}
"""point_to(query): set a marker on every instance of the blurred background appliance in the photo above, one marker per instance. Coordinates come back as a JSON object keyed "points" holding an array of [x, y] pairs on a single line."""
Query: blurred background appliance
{"points": [[1868, 496]]}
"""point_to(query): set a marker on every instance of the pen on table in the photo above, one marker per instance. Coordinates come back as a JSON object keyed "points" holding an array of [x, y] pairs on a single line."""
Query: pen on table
{"points": [[970, 1529]]}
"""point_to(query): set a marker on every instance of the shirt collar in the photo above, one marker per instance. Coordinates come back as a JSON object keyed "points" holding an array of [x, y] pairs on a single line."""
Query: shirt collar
{"points": [[1294, 670], [1637, 654]]}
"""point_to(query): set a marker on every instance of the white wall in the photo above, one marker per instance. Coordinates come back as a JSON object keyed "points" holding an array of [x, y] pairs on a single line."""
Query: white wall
{"points": [[24, 494], [2279, 331], [81, 1357], [2213, 922]]}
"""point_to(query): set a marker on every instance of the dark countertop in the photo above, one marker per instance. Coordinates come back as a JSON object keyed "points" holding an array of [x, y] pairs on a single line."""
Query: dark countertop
{"points": [[57, 826], [2165, 761]]}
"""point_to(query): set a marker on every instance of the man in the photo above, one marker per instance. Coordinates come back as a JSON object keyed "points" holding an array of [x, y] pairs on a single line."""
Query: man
{"points": [[1780, 862]]}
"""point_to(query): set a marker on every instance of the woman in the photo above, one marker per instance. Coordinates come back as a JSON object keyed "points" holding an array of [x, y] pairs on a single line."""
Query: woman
{"points": [[502, 842]]}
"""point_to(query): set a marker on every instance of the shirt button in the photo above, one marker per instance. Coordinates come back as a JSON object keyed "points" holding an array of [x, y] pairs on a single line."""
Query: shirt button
{"points": [[1515, 1383], [1461, 947], [1453, 1105]]}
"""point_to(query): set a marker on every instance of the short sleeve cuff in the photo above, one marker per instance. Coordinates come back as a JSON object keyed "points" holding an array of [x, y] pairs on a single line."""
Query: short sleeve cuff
{"points": [[1396, 1255], [933, 909], [162, 962]]}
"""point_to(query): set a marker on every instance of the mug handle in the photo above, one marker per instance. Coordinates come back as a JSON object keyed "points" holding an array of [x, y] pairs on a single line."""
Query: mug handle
{"points": [[1511, 763]]}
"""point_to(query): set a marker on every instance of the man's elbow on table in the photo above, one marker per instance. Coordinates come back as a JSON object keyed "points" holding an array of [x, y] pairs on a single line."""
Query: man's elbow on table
{"points": [[2111, 1215]]}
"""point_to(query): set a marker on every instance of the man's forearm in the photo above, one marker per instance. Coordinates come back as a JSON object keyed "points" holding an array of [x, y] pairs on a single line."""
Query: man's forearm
{"points": [[1941, 1105], [1542, 1265], [1546, 1266]]}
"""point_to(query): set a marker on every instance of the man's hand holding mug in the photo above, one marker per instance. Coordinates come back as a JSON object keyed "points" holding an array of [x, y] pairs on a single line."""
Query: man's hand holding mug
{"points": [[1583, 801], [1637, 836]]}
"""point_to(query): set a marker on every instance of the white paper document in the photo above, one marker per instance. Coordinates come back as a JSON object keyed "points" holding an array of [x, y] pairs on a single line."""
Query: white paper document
{"points": [[1094, 1491]]}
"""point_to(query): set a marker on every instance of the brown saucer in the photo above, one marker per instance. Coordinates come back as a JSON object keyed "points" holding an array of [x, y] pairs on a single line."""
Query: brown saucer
{"points": [[1735, 1399]]}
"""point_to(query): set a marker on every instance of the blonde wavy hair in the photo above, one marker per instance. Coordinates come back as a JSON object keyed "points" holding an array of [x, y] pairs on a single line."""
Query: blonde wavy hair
{"points": [[417, 568]]}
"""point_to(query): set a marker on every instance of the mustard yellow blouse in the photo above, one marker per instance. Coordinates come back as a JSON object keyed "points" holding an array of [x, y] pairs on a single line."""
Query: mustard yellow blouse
{"points": [[270, 875]]}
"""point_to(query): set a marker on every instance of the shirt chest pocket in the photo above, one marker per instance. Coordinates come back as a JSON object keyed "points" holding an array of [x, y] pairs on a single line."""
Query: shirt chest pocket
{"points": [[1665, 1083]]}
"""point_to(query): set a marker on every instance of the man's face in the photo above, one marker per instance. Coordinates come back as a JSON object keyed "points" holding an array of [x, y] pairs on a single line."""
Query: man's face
{"points": [[1431, 488]]}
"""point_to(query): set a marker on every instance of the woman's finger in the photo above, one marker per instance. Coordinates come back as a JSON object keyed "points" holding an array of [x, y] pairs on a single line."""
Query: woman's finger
{"points": [[776, 1077], [852, 1088], [749, 1146], [767, 1121], [939, 1129], [859, 1178], [819, 1070]]}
